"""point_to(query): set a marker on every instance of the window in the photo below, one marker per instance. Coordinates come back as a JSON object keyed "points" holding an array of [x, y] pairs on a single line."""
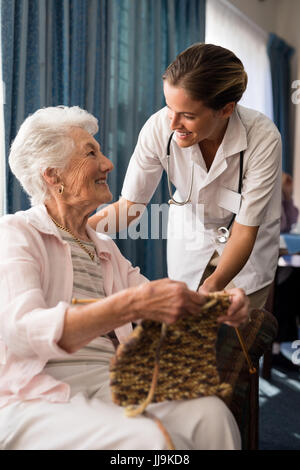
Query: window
{"points": [[226, 26]]}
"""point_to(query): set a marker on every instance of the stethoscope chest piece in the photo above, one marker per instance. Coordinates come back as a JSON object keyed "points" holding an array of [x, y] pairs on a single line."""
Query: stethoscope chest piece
{"points": [[223, 232], [223, 235]]}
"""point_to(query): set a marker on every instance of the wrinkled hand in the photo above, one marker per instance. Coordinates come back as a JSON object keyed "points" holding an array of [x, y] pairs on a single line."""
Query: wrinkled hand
{"points": [[238, 311], [166, 301]]}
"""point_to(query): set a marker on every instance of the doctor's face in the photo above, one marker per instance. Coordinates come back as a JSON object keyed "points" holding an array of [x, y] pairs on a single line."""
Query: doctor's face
{"points": [[191, 120]]}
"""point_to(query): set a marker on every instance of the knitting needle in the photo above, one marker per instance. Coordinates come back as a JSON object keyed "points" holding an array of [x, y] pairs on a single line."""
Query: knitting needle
{"points": [[83, 301]]}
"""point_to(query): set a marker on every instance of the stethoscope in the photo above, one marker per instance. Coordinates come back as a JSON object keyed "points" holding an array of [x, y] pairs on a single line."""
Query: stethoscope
{"points": [[223, 232]]}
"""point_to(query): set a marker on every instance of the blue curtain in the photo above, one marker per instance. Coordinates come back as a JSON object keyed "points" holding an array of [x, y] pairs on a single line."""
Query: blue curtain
{"points": [[106, 56], [280, 55]]}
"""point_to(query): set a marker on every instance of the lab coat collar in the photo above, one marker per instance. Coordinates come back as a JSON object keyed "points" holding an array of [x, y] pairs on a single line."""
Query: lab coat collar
{"points": [[38, 217], [235, 138]]}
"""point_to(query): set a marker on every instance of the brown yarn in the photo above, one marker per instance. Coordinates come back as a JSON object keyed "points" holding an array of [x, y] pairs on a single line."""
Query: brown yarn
{"points": [[174, 362]]}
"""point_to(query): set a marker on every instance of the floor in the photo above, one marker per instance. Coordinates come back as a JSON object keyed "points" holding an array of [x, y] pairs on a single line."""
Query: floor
{"points": [[279, 400]]}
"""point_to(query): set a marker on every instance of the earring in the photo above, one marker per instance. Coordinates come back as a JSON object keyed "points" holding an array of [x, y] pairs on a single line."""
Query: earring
{"points": [[61, 189]]}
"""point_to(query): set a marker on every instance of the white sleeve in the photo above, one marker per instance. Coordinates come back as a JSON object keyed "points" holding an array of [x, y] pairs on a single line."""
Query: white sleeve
{"points": [[145, 169], [261, 190]]}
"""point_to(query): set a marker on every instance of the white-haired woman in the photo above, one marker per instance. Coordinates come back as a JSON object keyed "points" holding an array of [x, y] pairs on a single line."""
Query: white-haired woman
{"points": [[54, 377]]}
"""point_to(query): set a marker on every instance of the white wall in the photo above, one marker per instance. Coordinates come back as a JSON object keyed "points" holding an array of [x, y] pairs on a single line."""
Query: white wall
{"points": [[281, 17], [263, 13]]}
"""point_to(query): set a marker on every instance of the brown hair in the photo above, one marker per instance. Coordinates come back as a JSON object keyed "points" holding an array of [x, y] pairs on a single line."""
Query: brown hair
{"points": [[208, 73]]}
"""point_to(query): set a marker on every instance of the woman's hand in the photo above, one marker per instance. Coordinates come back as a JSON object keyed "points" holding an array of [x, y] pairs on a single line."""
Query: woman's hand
{"points": [[238, 311], [165, 301]]}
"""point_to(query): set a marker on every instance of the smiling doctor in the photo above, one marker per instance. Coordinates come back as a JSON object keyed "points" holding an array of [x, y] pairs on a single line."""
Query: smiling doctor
{"points": [[225, 163]]}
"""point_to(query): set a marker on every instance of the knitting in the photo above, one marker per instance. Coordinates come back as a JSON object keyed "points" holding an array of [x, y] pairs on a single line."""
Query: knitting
{"points": [[174, 362]]}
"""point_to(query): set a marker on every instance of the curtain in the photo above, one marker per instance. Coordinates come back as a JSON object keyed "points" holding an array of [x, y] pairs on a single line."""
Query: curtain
{"points": [[280, 55], [226, 26], [2, 143], [47, 61], [106, 56]]}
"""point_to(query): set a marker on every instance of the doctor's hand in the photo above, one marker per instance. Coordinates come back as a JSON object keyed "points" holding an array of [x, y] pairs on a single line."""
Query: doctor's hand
{"points": [[238, 314], [287, 186]]}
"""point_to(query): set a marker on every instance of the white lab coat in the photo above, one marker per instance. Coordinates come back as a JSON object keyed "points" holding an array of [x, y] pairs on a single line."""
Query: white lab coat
{"points": [[192, 229]]}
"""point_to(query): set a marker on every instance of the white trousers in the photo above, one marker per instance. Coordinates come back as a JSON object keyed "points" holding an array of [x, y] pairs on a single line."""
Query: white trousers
{"points": [[91, 421]]}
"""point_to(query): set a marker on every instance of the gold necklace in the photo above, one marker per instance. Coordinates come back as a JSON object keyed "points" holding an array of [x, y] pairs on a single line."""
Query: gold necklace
{"points": [[91, 255]]}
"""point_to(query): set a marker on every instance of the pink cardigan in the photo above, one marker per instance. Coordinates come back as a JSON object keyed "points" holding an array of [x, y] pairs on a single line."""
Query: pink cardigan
{"points": [[36, 281]]}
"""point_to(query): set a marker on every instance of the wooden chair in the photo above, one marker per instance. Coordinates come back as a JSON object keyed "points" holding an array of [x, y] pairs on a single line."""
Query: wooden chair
{"points": [[233, 368], [267, 359]]}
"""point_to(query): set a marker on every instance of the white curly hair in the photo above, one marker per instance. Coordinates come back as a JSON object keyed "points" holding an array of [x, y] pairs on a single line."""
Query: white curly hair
{"points": [[43, 141]]}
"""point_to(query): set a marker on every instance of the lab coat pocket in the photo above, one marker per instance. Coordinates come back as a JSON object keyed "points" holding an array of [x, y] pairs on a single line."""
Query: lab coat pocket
{"points": [[229, 200]]}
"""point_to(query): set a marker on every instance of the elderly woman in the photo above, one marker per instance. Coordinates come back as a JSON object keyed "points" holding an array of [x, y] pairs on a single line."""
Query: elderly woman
{"points": [[54, 373]]}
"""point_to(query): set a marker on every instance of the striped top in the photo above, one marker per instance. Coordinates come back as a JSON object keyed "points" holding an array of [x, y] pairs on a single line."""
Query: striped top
{"points": [[88, 277], [88, 280]]}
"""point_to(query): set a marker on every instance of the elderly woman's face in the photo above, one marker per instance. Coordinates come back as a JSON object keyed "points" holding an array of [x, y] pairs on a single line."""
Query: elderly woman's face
{"points": [[85, 177]]}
